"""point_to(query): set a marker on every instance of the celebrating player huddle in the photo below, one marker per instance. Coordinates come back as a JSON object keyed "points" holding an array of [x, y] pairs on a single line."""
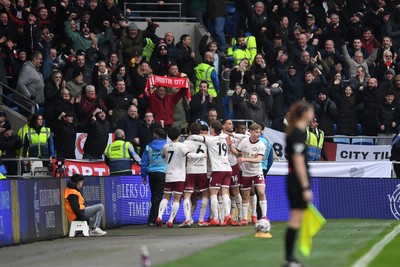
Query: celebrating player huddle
{"points": [[214, 166]]}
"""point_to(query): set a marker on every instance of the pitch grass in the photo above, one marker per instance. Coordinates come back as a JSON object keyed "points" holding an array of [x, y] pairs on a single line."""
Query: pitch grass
{"points": [[390, 256], [340, 243]]}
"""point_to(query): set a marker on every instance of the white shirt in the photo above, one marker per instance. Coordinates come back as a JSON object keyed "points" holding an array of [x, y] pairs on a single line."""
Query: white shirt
{"points": [[251, 150], [217, 151], [196, 165], [175, 154]]}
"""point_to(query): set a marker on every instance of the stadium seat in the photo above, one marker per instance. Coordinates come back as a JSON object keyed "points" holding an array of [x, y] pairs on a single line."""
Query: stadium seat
{"points": [[225, 107], [341, 140], [78, 226], [363, 141]]}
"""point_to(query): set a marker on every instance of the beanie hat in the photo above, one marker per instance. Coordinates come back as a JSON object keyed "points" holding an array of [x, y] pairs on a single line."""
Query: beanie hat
{"points": [[83, 25], [132, 26], [323, 90], [76, 178], [76, 72]]}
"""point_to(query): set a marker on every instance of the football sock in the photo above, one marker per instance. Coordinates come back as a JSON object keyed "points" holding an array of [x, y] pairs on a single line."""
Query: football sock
{"points": [[226, 201], [290, 239], [187, 209], [238, 200], [174, 210], [253, 203], [163, 206], [263, 206], [245, 210], [214, 206], [203, 208], [221, 210], [233, 205]]}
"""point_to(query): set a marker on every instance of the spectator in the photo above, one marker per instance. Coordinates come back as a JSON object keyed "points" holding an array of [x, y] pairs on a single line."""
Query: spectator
{"points": [[99, 69], [132, 41], [97, 137], [113, 62], [38, 141], [76, 85], [160, 60], [388, 118], [130, 125], [169, 40], [140, 76], [118, 103], [77, 210], [180, 110], [121, 73], [240, 74], [81, 64], [105, 88], [65, 136], [369, 43], [30, 82], [205, 71], [336, 30], [326, 112], [256, 110], [52, 92], [83, 40], [387, 62], [8, 30], [200, 103], [162, 105], [216, 13], [147, 128], [315, 142], [347, 102], [107, 11], [369, 114], [360, 80], [207, 45], [301, 46], [90, 102], [185, 60], [9, 145], [119, 154], [260, 66], [358, 60], [241, 51], [67, 104], [392, 29]]}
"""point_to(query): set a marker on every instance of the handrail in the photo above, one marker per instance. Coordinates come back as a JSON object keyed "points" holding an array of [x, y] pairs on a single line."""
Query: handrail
{"points": [[20, 161], [35, 106], [172, 12]]}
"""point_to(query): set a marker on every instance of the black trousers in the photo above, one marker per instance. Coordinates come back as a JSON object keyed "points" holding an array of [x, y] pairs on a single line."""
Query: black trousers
{"points": [[156, 182]]}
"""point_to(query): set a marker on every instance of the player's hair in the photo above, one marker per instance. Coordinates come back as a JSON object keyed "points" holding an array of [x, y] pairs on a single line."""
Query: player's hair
{"points": [[223, 121], [194, 128], [174, 133], [217, 126], [203, 127], [160, 133], [296, 112], [255, 127]]}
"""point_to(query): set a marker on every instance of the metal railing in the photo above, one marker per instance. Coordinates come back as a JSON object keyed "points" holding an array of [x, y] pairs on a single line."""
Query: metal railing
{"points": [[34, 106], [140, 13], [359, 139], [22, 162]]}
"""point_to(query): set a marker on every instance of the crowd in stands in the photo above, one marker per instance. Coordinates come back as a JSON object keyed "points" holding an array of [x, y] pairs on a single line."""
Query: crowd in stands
{"points": [[87, 66]]}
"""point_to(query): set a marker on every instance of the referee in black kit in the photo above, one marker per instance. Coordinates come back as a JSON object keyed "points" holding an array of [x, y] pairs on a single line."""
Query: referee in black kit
{"points": [[298, 185]]}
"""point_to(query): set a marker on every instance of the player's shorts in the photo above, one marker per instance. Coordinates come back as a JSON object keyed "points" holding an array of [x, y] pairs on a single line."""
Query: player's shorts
{"points": [[196, 181], [220, 179], [236, 176], [295, 193], [248, 182], [174, 187]]}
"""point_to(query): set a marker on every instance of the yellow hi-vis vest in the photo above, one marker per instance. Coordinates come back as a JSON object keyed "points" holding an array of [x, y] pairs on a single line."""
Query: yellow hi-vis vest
{"points": [[203, 73], [251, 44], [38, 146], [119, 156], [21, 133], [314, 144], [148, 49]]}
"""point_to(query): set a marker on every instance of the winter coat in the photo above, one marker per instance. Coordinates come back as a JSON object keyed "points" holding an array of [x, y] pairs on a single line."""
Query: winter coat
{"points": [[30, 83], [145, 134], [97, 137], [199, 110], [326, 113], [293, 86], [88, 106], [119, 104], [64, 139], [347, 111], [186, 63], [387, 114]]}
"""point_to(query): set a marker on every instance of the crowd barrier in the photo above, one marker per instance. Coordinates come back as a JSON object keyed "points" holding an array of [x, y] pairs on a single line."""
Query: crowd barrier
{"points": [[33, 210]]}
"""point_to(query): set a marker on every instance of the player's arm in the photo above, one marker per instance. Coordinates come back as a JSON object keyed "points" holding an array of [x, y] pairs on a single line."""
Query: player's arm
{"points": [[196, 137], [196, 155], [257, 159], [232, 147]]}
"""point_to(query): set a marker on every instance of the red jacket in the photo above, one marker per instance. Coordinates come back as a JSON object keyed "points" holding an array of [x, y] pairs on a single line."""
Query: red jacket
{"points": [[163, 109]]}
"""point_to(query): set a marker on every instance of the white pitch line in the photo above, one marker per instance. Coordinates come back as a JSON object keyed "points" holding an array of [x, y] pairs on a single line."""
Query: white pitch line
{"points": [[365, 260]]}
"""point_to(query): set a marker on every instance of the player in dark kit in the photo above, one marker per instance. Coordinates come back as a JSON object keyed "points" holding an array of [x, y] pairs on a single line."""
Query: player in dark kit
{"points": [[298, 184]]}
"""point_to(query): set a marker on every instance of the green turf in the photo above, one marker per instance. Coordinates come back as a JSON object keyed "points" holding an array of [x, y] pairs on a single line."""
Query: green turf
{"points": [[336, 245], [389, 256]]}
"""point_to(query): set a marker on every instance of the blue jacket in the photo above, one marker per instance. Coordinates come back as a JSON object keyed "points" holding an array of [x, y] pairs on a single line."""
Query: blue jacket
{"points": [[152, 161], [268, 157]]}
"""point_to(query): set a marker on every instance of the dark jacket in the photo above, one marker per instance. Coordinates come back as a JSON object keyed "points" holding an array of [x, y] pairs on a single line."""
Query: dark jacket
{"points": [[51, 95], [145, 134], [387, 114], [130, 126], [347, 112], [9, 147], [186, 63], [326, 113], [258, 112], [199, 110], [119, 104], [97, 138], [64, 139], [293, 86]]}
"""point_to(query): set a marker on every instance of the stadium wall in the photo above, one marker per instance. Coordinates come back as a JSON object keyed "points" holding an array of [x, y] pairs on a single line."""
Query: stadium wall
{"points": [[33, 209]]}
